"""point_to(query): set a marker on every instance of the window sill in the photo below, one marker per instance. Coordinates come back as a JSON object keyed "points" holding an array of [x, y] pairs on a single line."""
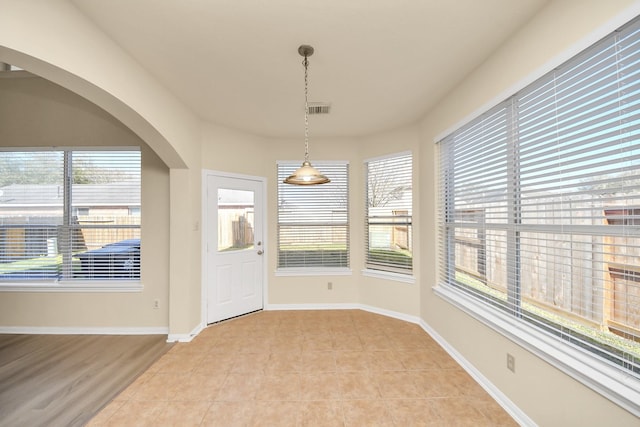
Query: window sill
{"points": [[388, 275], [102, 286], [610, 381], [304, 271]]}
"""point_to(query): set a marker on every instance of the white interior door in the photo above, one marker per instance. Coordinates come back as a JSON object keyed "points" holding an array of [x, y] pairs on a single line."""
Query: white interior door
{"points": [[235, 246]]}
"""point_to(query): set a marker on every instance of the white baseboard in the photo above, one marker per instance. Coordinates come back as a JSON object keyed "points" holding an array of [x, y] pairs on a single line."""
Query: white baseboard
{"points": [[345, 306], [186, 337], [518, 415], [60, 330], [390, 313], [338, 306]]}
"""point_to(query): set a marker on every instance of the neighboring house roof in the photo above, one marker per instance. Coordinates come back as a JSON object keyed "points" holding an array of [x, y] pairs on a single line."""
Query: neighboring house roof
{"points": [[86, 195]]}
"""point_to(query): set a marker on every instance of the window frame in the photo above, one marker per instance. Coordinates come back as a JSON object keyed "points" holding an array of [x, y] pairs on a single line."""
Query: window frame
{"points": [[406, 275], [609, 379], [313, 270], [78, 285]]}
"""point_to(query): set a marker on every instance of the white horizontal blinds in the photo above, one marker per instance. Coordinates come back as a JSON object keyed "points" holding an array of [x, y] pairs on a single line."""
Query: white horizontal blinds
{"points": [[389, 230], [31, 211], [475, 162], [60, 211], [568, 255], [579, 184], [105, 215], [579, 150], [480, 162], [313, 221]]}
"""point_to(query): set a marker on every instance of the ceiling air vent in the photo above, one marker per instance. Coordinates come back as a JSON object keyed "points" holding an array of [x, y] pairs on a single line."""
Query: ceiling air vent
{"points": [[319, 108]]}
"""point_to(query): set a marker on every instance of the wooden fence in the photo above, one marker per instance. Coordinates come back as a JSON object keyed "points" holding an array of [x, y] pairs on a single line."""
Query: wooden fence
{"points": [[601, 284], [31, 237]]}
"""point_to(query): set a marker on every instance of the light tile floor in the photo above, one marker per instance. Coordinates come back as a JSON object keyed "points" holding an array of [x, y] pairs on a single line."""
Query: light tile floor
{"points": [[306, 368]]}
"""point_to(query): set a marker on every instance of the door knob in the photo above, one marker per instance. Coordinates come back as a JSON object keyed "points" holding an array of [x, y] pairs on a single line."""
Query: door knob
{"points": [[260, 252]]}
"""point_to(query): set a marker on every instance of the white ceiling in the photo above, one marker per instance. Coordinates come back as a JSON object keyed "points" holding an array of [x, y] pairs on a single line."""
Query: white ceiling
{"points": [[380, 63]]}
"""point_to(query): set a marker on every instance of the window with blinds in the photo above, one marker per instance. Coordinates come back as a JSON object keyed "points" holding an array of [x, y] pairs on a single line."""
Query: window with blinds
{"points": [[69, 215], [313, 221], [540, 203], [389, 213]]}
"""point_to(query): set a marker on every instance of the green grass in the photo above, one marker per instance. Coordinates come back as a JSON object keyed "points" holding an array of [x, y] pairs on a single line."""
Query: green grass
{"points": [[603, 337], [400, 257], [333, 255], [32, 264], [324, 256], [314, 247], [43, 264]]}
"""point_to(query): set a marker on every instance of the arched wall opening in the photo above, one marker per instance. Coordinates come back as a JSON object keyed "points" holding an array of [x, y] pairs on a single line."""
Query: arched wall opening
{"points": [[145, 113], [100, 97]]}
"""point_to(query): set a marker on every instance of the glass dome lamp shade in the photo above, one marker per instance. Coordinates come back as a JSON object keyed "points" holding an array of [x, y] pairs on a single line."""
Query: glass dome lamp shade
{"points": [[306, 174]]}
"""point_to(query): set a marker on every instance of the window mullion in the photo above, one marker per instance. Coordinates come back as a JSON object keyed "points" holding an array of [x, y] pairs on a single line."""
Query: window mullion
{"points": [[65, 234], [449, 209], [513, 213]]}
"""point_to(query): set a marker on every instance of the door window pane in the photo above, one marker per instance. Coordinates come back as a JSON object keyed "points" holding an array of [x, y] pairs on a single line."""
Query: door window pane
{"points": [[235, 219]]}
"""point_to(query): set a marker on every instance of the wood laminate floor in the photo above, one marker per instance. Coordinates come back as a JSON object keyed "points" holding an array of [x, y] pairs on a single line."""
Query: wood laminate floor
{"points": [[64, 380]]}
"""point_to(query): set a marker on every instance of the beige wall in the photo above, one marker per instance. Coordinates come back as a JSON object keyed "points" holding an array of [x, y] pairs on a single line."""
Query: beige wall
{"points": [[227, 150], [54, 40], [346, 289], [37, 38], [544, 393], [386, 294], [35, 113], [312, 289], [231, 151]]}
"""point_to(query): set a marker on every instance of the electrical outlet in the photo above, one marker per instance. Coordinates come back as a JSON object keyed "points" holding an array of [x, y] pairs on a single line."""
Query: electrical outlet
{"points": [[156, 304], [329, 285], [511, 363]]}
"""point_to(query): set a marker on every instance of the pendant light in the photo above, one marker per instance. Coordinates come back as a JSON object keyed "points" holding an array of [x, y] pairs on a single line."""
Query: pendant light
{"points": [[306, 174]]}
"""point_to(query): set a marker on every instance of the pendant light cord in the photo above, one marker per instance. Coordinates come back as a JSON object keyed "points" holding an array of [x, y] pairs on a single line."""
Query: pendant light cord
{"points": [[306, 109]]}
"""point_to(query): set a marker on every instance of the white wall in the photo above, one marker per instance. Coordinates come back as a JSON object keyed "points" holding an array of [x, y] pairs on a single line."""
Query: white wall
{"points": [[545, 394]]}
